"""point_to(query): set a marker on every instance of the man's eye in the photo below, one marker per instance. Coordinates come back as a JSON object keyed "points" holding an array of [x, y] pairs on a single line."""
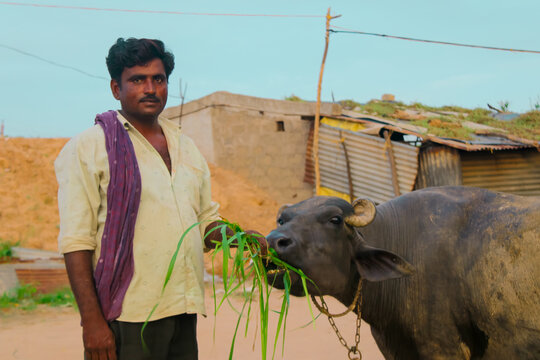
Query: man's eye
{"points": [[137, 81], [159, 80], [336, 220]]}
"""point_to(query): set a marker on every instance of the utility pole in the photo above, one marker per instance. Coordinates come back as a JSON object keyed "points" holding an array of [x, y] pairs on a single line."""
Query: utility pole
{"points": [[182, 97], [318, 107]]}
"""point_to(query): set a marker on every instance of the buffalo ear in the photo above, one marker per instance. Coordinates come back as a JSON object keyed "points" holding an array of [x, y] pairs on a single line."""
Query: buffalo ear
{"points": [[377, 265]]}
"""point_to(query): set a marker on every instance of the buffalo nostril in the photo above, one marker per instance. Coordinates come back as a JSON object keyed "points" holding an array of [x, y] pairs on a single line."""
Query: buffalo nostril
{"points": [[284, 242]]}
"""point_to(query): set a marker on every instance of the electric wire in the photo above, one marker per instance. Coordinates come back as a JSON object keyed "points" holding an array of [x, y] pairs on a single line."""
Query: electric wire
{"points": [[349, 31], [85, 8], [51, 62], [339, 29], [333, 29]]}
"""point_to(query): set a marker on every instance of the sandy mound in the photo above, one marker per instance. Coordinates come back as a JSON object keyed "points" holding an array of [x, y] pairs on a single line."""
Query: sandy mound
{"points": [[28, 194], [242, 202], [28, 205]]}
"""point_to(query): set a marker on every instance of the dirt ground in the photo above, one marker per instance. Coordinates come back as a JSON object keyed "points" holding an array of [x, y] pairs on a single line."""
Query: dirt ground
{"points": [[54, 333], [29, 215]]}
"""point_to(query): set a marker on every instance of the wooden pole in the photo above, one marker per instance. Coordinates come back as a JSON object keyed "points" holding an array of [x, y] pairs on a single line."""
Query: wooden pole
{"points": [[182, 97], [392, 160], [348, 164], [318, 106]]}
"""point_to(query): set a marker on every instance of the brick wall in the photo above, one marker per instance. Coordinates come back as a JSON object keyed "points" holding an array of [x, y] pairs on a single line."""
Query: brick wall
{"points": [[249, 142]]}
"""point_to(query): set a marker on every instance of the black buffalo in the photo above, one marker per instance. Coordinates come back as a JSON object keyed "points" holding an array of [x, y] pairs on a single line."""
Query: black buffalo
{"points": [[466, 283]]}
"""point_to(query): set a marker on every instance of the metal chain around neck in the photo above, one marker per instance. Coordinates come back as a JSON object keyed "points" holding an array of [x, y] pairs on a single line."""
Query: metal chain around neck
{"points": [[354, 351], [324, 309]]}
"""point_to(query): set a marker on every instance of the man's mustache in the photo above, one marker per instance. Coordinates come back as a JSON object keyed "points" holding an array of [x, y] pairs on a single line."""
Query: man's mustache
{"points": [[149, 98]]}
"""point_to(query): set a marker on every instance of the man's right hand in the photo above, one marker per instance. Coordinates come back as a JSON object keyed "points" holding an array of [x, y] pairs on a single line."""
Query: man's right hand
{"points": [[98, 340]]}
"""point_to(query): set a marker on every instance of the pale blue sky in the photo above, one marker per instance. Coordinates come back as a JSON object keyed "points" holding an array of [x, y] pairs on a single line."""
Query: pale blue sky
{"points": [[268, 57]]}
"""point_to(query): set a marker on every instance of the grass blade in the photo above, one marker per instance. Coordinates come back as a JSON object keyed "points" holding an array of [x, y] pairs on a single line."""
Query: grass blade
{"points": [[235, 277]]}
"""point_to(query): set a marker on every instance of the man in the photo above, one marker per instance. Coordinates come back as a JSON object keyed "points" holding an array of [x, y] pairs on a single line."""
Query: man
{"points": [[128, 189]]}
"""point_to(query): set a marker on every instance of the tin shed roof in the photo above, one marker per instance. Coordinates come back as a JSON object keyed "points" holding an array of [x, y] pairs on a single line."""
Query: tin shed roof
{"points": [[483, 139]]}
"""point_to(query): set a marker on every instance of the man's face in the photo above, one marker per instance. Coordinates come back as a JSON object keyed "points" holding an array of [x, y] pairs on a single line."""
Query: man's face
{"points": [[142, 90]]}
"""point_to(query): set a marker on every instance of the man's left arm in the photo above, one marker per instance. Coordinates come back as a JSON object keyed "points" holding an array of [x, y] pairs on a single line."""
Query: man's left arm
{"points": [[213, 234]]}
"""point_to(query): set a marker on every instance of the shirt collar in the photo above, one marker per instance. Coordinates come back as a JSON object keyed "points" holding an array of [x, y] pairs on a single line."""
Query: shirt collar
{"points": [[123, 120], [163, 122]]}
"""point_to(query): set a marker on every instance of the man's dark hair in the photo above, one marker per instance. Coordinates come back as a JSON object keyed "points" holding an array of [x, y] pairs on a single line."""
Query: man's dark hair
{"points": [[132, 52]]}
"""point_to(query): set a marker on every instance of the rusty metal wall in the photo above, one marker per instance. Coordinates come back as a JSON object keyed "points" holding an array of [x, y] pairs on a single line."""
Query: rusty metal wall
{"points": [[438, 166], [516, 172], [370, 168]]}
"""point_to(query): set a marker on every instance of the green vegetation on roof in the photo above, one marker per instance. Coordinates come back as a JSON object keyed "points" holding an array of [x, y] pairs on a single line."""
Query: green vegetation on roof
{"points": [[526, 126], [383, 109], [448, 121], [458, 109], [445, 127], [451, 123], [294, 98], [349, 104]]}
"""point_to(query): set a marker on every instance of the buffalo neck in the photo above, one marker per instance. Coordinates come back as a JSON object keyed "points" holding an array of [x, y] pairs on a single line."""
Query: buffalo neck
{"points": [[347, 296]]}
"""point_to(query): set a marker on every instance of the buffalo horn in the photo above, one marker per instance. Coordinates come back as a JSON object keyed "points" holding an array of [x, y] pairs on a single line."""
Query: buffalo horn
{"points": [[364, 213]]}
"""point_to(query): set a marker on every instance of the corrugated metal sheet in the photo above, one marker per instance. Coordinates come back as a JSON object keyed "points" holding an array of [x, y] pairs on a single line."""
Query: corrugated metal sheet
{"points": [[438, 166], [482, 140], [370, 169], [516, 172], [492, 140]]}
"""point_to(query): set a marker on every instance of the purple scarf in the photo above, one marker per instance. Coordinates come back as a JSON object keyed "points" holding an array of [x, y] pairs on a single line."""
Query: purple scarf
{"points": [[115, 266]]}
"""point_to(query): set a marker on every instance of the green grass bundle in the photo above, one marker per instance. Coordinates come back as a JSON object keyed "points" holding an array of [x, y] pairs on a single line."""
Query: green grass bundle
{"points": [[247, 273]]}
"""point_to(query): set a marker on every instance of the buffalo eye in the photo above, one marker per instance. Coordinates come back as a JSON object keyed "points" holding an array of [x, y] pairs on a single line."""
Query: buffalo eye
{"points": [[337, 220], [280, 221]]}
